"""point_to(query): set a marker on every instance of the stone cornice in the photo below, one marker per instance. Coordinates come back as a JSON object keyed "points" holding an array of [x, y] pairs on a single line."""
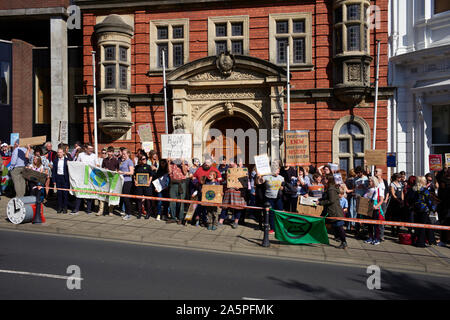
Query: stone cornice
{"points": [[35, 12], [384, 93], [160, 4], [134, 98]]}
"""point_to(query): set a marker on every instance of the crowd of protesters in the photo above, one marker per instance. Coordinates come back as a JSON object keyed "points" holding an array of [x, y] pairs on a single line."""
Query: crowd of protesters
{"points": [[419, 199]]}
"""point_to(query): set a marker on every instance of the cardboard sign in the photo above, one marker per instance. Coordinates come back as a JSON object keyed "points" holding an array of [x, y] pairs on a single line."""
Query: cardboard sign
{"points": [[237, 178], [297, 148], [190, 213], [176, 146], [13, 138], [262, 165], [212, 193], [338, 178], [142, 179], [147, 146], [447, 159], [375, 157], [308, 201], [35, 176], [435, 162], [33, 141], [391, 159], [145, 132], [364, 206], [308, 209]]}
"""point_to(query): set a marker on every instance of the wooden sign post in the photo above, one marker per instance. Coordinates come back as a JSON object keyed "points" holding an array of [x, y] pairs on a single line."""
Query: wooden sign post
{"points": [[297, 148]]}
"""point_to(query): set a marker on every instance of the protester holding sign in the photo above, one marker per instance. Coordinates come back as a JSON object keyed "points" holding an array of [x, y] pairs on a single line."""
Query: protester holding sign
{"points": [[177, 173], [126, 169], [374, 195], [143, 189], [162, 174], [18, 163], [332, 208], [274, 184]]}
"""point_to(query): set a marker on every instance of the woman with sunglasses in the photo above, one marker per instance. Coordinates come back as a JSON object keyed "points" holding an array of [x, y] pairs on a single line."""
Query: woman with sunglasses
{"points": [[140, 189]]}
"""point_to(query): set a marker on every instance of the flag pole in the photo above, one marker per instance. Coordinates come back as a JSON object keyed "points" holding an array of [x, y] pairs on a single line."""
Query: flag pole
{"points": [[164, 86], [376, 100], [95, 104], [288, 91]]}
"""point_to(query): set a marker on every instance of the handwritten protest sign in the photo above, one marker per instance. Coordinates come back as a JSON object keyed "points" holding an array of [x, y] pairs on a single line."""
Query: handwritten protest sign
{"points": [[237, 178], [145, 132], [297, 148], [447, 159], [263, 165], [147, 146], [176, 146], [375, 157], [435, 162]]}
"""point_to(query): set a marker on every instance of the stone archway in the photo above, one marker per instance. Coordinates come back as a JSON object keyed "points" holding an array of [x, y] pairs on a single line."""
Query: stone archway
{"points": [[211, 88]]}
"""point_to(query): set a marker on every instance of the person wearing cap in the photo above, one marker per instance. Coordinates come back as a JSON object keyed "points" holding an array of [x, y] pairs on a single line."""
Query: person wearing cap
{"points": [[4, 150]]}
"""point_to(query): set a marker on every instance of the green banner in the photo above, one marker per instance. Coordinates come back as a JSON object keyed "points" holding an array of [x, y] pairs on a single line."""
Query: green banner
{"points": [[299, 229]]}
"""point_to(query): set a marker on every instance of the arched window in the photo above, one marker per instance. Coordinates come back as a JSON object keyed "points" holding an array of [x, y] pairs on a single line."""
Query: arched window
{"points": [[351, 136]]}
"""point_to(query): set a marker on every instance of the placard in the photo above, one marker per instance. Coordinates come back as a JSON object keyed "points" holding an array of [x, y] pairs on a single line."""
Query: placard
{"points": [[212, 193], [176, 146], [147, 146], [364, 206], [33, 141], [447, 159], [391, 159], [308, 201], [262, 165], [145, 132], [435, 162], [190, 213], [375, 157], [313, 210], [333, 167], [142, 179], [338, 178], [13, 138], [161, 183], [297, 148], [237, 178]]}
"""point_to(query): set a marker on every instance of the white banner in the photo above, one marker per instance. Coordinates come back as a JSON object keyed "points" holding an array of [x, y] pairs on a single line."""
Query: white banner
{"points": [[176, 146], [84, 177]]}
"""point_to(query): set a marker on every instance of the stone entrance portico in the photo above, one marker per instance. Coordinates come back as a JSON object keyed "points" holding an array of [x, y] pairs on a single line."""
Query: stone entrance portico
{"points": [[214, 88]]}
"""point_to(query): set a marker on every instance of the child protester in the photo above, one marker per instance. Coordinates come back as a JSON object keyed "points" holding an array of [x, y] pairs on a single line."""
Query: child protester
{"points": [[211, 211]]}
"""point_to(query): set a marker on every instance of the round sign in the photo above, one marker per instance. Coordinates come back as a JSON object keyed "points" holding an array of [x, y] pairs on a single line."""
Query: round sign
{"points": [[16, 211]]}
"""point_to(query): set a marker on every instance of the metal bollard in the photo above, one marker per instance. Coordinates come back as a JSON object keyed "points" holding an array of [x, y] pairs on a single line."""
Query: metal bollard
{"points": [[266, 242]]}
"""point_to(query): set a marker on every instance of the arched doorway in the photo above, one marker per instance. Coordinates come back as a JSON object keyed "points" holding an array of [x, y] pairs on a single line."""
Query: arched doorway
{"points": [[230, 146]]}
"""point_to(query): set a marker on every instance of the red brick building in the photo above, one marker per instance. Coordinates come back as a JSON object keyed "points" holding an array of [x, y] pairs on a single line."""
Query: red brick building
{"points": [[332, 52]]}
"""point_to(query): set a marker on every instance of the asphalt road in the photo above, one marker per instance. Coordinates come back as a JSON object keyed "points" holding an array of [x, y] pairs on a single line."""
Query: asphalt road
{"points": [[34, 266]]}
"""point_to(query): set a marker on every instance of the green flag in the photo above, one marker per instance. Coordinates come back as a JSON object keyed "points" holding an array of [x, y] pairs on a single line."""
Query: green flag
{"points": [[298, 229]]}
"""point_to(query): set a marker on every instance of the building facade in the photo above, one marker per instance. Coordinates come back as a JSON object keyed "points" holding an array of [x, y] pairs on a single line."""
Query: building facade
{"points": [[40, 61], [226, 69], [419, 62]]}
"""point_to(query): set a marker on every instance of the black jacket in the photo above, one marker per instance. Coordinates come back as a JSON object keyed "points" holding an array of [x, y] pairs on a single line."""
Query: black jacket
{"points": [[66, 170], [330, 201]]}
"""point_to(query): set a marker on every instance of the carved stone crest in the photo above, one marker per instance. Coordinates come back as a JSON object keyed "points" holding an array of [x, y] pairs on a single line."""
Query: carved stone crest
{"points": [[229, 108], [225, 63], [178, 123]]}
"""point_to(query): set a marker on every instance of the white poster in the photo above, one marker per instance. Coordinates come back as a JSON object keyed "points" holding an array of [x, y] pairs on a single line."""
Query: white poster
{"points": [[161, 183], [176, 146], [84, 177], [263, 165]]}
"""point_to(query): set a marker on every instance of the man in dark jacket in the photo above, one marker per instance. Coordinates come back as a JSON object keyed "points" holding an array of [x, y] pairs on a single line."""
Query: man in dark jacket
{"points": [[60, 174]]}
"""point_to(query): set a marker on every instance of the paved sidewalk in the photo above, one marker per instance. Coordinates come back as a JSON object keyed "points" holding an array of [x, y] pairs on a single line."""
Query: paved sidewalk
{"points": [[243, 240]]}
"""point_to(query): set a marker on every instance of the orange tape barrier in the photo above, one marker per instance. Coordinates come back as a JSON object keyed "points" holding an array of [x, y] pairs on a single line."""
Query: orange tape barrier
{"points": [[362, 221]]}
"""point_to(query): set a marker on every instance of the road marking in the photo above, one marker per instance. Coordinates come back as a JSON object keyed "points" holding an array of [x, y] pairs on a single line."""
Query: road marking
{"points": [[248, 298], [44, 275]]}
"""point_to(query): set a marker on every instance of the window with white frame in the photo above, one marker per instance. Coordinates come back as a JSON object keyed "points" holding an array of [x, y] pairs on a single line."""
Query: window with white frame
{"points": [[351, 136], [228, 34], [290, 34], [115, 59], [172, 38]]}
